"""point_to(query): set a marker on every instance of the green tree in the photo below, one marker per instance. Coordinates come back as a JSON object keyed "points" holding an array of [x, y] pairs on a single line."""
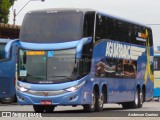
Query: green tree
{"points": [[4, 10]]}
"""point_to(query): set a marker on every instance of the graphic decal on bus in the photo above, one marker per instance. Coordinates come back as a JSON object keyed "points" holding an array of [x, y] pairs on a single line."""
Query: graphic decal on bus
{"points": [[116, 68], [118, 50], [141, 37], [149, 71]]}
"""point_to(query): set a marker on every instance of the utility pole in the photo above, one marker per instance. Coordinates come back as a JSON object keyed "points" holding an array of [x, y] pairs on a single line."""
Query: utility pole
{"points": [[14, 16], [14, 11]]}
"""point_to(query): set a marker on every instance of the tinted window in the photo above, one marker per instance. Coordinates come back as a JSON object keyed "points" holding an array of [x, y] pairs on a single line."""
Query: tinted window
{"points": [[42, 66], [118, 30], [61, 65], [85, 61], [150, 37], [101, 28], [2, 51], [52, 27], [88, 29]]}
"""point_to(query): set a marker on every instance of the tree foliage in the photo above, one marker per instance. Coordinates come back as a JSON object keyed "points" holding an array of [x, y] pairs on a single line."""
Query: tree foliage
{"points": [[4, 10]]}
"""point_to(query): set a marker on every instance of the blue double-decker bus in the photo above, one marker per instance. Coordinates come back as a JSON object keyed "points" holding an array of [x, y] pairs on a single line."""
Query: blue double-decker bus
{"points": [[83, 57], [7, 70]]}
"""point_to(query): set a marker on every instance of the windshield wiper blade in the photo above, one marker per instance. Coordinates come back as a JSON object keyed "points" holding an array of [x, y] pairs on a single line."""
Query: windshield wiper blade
{"points": [[63, 77], [58, 76]]}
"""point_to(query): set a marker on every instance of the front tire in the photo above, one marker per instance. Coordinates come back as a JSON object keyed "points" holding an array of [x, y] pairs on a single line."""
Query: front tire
{"points": [[49, 108], [91, 107], [38, 108]]}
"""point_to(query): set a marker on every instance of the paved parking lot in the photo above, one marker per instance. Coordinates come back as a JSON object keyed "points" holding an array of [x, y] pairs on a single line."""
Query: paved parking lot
{"points": [[113, 110]]}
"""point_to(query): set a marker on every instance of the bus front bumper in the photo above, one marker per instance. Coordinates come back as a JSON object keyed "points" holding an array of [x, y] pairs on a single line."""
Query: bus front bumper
{"points": [[69, 98]]}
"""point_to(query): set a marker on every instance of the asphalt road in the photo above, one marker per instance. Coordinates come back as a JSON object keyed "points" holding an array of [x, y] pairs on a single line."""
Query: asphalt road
{"points": [[110, 111]]}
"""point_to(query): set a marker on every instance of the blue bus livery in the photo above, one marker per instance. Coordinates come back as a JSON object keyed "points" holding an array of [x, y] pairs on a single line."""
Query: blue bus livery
{"points": [[7, 70], [83, 57]]}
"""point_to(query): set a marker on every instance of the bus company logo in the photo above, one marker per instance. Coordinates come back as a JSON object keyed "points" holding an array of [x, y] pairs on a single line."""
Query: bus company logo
{"points": [[117, 50], [141, 37], [45, 93]]}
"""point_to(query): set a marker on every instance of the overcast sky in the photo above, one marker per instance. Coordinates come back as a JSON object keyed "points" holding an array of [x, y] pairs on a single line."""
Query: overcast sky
{"points": [[142, 11]]}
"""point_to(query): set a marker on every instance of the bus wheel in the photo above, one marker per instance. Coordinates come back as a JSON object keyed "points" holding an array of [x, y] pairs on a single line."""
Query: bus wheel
{"points": [[49, 108], [8, 100], [141, 99], [136, 101], [91, 107], [38, 108], [100, 102]]}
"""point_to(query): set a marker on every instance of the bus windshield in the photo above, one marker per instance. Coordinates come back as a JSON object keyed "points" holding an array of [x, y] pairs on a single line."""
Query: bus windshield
{"points": [[52, 27], [47, 66]]}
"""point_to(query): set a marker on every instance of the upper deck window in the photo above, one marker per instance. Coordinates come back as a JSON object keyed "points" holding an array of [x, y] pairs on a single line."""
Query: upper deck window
{"points": [[52, 27], [2, 50]]}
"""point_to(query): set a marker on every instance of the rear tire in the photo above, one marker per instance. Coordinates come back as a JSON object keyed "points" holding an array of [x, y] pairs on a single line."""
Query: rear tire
{"points": [[136, 102], [91, 107], [8, 100], [141, 99], [100, 102], [38, 108]]}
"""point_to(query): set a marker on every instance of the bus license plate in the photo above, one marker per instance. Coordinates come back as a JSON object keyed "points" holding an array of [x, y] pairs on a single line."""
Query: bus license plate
{"points": [[46, 102]]}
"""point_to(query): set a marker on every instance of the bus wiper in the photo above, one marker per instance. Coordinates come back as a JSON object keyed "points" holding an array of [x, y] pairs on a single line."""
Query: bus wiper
{"points": [[63, 76], [59, 76], [37, 77]]}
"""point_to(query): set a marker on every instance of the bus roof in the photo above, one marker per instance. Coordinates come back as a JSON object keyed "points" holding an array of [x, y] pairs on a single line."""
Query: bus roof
{"points": [[62, 10], [52, 10]]}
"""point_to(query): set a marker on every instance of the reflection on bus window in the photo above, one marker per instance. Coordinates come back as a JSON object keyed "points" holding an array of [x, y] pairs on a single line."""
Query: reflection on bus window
{"points": [[116, 68], [2, 51]]}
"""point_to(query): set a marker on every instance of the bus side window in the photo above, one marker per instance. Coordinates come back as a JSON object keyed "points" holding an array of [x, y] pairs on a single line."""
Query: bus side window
{"points": [[98, 34], [101, 27], [84, 64], [150, 37], [2, 51], [88, 27]]}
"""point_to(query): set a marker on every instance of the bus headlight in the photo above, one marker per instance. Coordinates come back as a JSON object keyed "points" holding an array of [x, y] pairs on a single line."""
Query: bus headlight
{"points": [[23, 89], [74, 88]]}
